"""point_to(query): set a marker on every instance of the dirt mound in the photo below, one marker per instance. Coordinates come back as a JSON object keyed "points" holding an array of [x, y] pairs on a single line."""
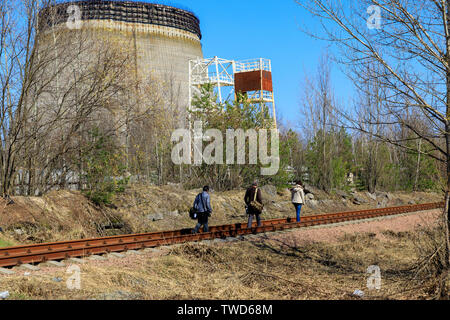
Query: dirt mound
{"points": [[59, 215], [67, 215], [151, 208]]}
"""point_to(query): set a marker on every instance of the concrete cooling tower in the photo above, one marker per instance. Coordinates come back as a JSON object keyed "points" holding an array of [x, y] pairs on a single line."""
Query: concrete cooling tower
{"points": [[162, 39]]}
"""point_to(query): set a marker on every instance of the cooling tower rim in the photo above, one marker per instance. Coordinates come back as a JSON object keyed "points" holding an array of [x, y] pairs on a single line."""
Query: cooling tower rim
{"points": [[154, 2], [190, 22]]}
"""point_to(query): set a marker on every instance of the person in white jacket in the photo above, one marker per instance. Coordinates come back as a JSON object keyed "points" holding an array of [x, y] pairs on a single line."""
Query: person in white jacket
{"points": [[298, 198]]}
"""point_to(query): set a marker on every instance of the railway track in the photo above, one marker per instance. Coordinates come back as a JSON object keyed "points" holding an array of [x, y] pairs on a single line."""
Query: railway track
{"points": [[37, 253]]}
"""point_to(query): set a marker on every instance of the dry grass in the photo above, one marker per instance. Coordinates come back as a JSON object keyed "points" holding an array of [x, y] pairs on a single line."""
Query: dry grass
{"points": [[258, 269], [262, 268]]}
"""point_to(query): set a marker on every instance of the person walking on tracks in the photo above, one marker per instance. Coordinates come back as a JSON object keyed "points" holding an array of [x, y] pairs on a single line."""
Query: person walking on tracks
{"points": [[202, 206], [254, 205], [298, 198]]}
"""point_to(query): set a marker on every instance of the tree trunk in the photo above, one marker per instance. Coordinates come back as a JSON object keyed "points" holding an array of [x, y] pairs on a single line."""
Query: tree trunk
{"points": [[447, 207], [446, 221], [416, 180]]}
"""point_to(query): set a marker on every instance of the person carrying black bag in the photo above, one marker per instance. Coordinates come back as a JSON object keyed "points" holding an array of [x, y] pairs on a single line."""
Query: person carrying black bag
{"points": [[253, 201], [202, 206]]}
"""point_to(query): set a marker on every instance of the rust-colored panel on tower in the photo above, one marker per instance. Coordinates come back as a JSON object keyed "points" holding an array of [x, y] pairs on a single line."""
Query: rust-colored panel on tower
{"points": [[253, 81]]}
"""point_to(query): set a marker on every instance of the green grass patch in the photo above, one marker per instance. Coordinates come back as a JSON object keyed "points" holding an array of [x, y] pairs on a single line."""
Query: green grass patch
{"points": [[4, 243]]}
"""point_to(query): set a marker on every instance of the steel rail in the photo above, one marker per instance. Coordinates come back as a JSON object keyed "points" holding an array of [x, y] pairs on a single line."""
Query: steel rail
{"points": [[162, 234], [36, 253]]}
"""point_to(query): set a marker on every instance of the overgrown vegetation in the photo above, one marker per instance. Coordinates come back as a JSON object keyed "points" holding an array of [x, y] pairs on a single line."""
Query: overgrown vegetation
{"points": [[400, 68], [237, 115], [50, 149], [429, 267], [329, 151], [104, 168], [257, 269]]}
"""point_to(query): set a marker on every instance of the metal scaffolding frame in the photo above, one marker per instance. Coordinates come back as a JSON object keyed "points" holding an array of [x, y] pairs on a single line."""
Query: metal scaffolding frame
{"points": [[217, 71], [253, 65], [261, 96], [221, 73]]}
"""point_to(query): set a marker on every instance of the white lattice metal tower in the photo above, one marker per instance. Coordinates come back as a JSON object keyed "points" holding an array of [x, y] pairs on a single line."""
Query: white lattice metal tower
{"points": [[250, 77], [216, 71]]}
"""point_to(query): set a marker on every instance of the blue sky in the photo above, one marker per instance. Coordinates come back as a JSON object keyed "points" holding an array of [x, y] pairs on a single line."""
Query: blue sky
{"points": [[244, 29]]}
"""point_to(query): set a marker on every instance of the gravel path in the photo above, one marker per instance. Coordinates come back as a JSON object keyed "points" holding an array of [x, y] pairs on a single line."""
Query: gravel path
{"points": [[406, 222]]}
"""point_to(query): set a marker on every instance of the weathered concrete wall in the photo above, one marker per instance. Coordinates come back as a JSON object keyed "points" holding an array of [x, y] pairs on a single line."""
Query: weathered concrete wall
{"points": [[158, 53], [161, 39]]}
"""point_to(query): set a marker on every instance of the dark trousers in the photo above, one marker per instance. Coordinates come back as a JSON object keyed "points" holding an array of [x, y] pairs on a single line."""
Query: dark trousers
{"points": [[250, 220], [202, 221]]}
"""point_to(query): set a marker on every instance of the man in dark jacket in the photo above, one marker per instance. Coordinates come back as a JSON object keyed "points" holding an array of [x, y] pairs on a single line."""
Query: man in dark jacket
{"points": [[202, 205], [251, 211]]}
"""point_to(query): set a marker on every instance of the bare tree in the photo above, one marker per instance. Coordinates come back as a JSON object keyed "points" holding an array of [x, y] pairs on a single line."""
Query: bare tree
{"points": [[317, 107], [408, 43], [58, 84]]}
